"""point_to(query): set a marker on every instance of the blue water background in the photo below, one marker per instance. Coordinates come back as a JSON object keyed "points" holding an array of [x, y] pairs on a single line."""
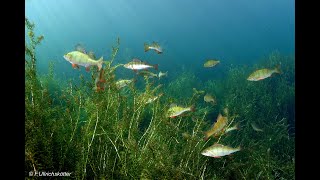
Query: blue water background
{"points": [[190, 31]]}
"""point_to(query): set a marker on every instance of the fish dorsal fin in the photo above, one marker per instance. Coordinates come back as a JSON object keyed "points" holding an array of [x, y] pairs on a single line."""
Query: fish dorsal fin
{"points": [[79, 47], [91, 55], [218, 145], [173, 105], [136, 60], [154, 43], [221, 120], [219, 117]]}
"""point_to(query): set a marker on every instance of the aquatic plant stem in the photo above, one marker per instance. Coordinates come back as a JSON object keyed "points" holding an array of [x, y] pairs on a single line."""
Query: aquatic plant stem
{"points": [[151, 122], [136, 115], [198, 124], [193, 134], [72, 135], [32, 161], [93, 135], [32, 99], [94, 131], [202, 174], [153, 129], [89, 144], [186, 165], [115, 147], [76, 125]]}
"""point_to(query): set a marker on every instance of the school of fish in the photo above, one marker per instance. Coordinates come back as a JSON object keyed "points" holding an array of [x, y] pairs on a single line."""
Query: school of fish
{"points": [[80, 57]]}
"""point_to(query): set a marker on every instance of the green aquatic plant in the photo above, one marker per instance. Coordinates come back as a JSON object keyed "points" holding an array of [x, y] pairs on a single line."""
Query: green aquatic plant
{"points": [[260, 102], [187, 83], [33, 102]]}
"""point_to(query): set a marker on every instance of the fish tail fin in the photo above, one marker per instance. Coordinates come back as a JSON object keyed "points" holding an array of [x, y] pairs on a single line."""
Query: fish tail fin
{"points": [[134, 80], [193, 108], [206, 137], [237, 126], [146, 47], [163, 74], [277, 69], [155, 67], [100, 62]]}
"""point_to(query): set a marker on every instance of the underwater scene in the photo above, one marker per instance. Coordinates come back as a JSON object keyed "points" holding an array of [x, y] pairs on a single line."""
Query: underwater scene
{"points": [[160, 89]]}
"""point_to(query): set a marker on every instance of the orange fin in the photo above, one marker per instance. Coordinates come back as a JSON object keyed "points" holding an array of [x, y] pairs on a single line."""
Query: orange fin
{"points": [[75, 66], [88, 68]]}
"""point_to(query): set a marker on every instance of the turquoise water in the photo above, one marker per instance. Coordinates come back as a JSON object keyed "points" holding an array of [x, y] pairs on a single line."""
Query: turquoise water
{"points": [[237, 32]]}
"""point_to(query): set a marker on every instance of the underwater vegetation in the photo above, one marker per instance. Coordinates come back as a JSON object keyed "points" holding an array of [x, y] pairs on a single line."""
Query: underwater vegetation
{"points": [[126, 133]]}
